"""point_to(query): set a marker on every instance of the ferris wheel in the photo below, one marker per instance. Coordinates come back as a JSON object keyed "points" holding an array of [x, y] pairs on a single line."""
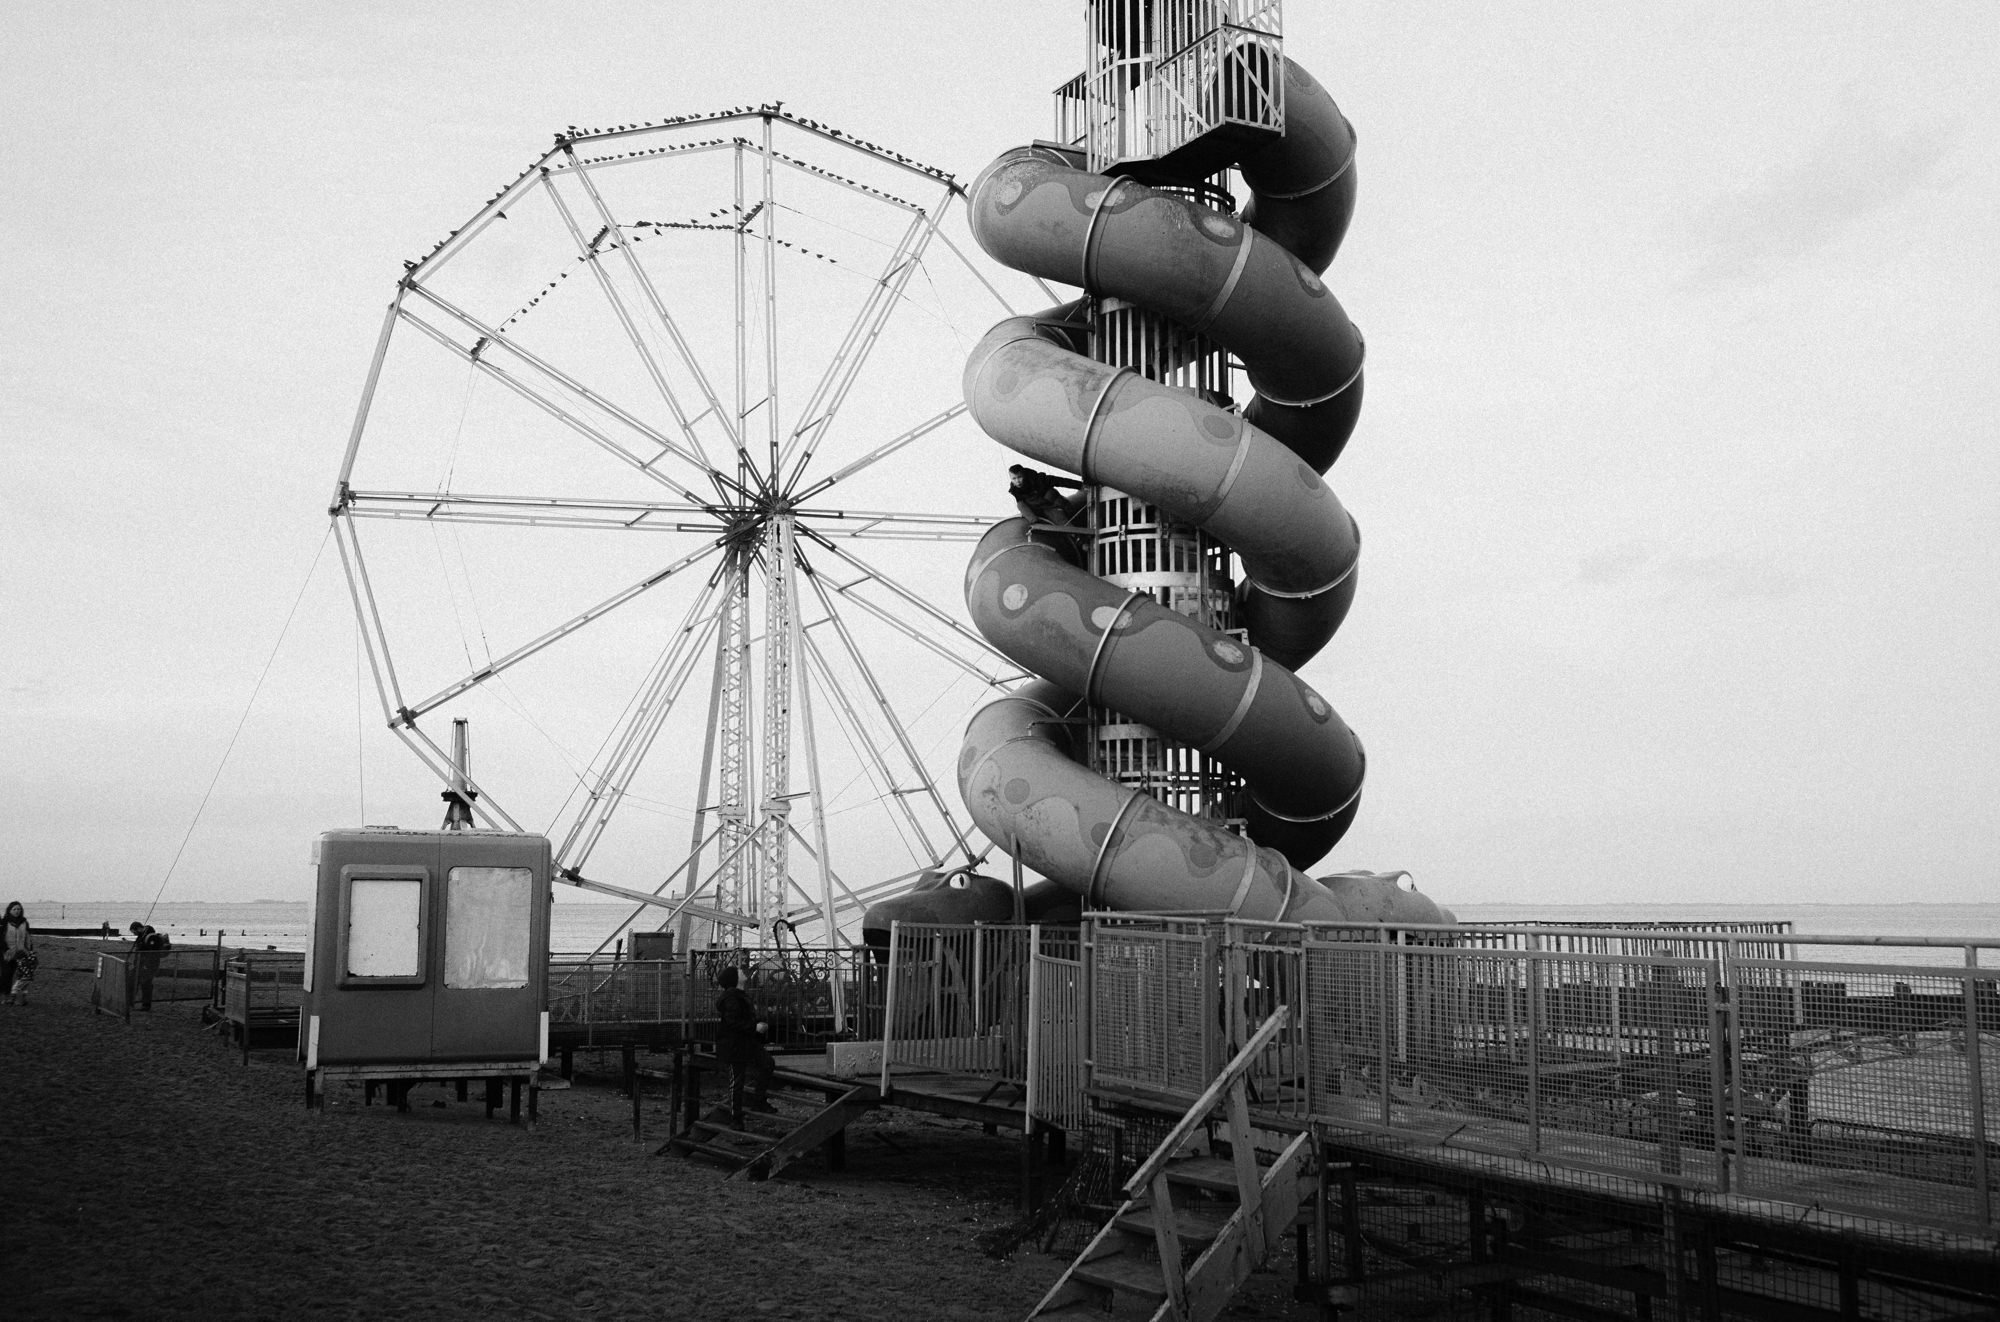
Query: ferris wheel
{"points": [[656, 479]]}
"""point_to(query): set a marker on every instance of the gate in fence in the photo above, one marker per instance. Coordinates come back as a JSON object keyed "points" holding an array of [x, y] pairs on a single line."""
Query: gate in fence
{"points": [[991, 1000]]}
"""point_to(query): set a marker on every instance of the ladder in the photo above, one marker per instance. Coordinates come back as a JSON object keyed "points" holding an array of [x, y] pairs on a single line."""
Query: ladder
{"points": [[1135, 1265]]}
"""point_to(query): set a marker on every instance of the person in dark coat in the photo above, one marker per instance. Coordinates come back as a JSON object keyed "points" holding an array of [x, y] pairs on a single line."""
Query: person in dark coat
{"points": [[17, 954], [739, 1044], [148, 945]]}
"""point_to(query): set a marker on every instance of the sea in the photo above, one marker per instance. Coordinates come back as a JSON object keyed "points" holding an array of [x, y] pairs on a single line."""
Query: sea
{"points": [[583, 926]]}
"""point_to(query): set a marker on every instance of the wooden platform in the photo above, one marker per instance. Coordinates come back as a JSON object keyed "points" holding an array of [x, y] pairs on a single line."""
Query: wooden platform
{"points": [[993, 1102]]}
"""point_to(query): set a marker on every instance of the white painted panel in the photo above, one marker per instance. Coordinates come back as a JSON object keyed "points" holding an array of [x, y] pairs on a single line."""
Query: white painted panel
{"points": [[384, 927]]}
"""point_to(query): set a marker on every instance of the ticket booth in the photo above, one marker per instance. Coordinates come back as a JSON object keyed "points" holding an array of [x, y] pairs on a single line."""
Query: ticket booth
{"points": [[427, 960]]}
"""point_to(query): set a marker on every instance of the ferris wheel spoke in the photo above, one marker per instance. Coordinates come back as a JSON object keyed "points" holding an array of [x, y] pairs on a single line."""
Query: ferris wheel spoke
{"points": [[859, 739], [588, 253], [701, 843], [484, 804], [730, 426], [980, 275], [883, 451], [859, 343], [655, 701], [553, 407], [937, 617], [896, 526], [536, 511], [566, 384], [560, 631], [895, 722]]}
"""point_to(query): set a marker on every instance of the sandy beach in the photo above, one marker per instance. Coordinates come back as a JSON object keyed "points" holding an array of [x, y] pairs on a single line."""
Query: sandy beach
{"points": [[149, 1174]]}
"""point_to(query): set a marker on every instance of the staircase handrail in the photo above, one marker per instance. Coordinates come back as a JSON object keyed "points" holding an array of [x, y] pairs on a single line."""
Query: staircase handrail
{"points": [[1238, 1065]]}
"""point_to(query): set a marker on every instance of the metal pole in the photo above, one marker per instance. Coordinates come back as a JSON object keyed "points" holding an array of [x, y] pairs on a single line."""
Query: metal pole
{"points": [[889, 1006], [707, 765], [1982, 1190], [367, 397], [1534, 971], [769, 208]]}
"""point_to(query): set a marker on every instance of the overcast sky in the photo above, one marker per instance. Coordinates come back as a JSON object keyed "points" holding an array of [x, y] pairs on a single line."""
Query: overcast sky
{"points": [[1677, 473]]}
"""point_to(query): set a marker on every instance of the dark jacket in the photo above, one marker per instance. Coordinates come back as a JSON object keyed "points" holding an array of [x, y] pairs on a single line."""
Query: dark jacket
{"points": [[736, 1041]]}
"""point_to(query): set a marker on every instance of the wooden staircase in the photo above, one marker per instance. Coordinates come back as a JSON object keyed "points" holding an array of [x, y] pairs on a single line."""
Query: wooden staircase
{"points": [[771, 1140], [1193, 1228]]}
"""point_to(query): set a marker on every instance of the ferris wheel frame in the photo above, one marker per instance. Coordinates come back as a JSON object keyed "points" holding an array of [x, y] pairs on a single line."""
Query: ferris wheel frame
{"points": [[764, 517]]}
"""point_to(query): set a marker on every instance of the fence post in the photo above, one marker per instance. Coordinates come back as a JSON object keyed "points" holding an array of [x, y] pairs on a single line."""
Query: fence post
{"points": [[1034, 1033], [1666, 1039], [1382, 976], [1307, 1071], [1236, 985], [1402, 998], [1534, 980], [978, 980], [1085, 1006], [889, 1007], [1721, 1059], [1982, 1191]]}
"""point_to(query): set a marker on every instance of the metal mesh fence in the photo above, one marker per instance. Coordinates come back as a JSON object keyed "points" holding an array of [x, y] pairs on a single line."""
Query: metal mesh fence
{"points": [[175, 974], [1055, 1072], [1154, 1010], [1868, 1087], [957, 999], [1713, 1061]]}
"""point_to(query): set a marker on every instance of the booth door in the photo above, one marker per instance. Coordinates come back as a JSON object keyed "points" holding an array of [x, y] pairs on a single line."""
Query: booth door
{"points": [[488, 991]]}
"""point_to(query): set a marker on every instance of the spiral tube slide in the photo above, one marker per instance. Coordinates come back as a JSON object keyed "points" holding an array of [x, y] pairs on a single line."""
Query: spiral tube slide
{"points": [[1253, 482]]}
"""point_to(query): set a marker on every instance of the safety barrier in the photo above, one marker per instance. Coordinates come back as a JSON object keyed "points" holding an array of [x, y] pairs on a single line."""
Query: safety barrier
{"points": [[1055, 1030], [262, 991], [992, 1000], [110, 986], [1705, 1059], [609, 999], [1153, 1027], [957, 999]]}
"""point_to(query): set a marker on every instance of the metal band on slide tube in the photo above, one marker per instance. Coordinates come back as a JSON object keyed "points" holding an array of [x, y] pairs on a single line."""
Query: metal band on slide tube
{"points": [[1291, 886], [1242, 704], [1344, 805], [1327, 182], [1318, 399], [1090, 233], [1236, 462], [1309, 593], [1092, 423], [1090, 892], [987, 563], [1104, 645], [1221, 299], [1243, 886]]}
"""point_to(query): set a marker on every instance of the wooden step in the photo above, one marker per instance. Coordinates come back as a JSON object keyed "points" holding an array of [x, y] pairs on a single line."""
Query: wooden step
{"points": [[829, 1120], [1125, 1272], [709, 1129], [1212, 1174], [1194, 1227]]}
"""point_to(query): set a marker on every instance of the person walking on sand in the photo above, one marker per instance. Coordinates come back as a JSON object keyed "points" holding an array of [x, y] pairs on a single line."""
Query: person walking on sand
{"points": [[17, 954], [739, 1045]]}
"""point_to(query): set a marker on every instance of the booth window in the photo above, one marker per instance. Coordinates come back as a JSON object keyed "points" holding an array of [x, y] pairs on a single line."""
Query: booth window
{"points": [[384, 927], [486, 926]]}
